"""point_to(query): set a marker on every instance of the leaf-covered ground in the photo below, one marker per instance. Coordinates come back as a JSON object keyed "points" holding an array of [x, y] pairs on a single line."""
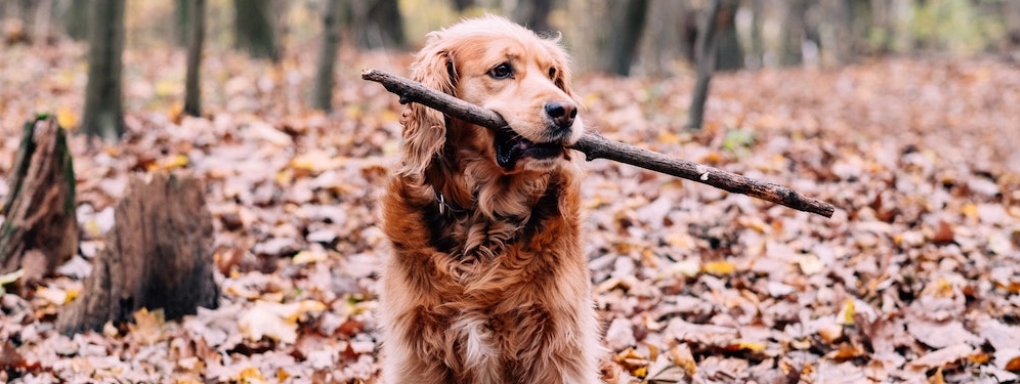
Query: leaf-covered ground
{"points": [[916, 278]]}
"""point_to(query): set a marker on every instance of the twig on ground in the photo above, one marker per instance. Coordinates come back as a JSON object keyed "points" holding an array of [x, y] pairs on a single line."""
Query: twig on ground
{"points": [[595, 146]]}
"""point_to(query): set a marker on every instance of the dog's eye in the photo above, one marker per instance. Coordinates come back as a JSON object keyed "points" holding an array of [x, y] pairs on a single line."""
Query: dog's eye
{"points": [[552, 72], [502, 71]]}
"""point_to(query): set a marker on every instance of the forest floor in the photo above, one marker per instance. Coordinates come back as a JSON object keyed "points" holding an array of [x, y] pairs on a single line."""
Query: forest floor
{"points": [[915, 278]]}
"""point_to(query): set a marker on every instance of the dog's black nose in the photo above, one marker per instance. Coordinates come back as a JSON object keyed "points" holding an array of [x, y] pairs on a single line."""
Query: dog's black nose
{"points": [[562, 114]]}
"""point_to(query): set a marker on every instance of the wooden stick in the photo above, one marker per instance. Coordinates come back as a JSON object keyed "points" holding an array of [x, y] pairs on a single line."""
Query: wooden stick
{"points": [[595, 146]]}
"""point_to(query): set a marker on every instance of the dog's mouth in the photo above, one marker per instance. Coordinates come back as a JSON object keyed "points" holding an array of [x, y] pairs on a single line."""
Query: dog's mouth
{"points": [[511, 147]]}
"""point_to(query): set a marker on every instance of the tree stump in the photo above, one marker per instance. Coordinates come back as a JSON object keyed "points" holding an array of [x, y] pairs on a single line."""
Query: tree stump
{"points": [[159, 254], [40, 230]]}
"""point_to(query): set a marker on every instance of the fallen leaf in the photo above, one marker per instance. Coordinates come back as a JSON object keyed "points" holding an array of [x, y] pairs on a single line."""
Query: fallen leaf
{"points": [[718, 268], [275, 320]]}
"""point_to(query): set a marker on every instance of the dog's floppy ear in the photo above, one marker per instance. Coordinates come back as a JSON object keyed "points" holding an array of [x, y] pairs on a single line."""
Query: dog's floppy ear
{"points": [[425, 128]]}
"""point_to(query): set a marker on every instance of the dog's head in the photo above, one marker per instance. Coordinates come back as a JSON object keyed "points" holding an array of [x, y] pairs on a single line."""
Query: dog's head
{"points": [[501, 66]]}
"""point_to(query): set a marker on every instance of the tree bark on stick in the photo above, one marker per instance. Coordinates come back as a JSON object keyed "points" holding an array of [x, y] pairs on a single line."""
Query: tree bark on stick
{"points": [[595, 146], [322, 94], [196, 35], [40, 211], [158, 255]]}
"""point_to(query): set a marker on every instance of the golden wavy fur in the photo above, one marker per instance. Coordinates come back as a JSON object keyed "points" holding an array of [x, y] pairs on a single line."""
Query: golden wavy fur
{"points": [[488, 282]]}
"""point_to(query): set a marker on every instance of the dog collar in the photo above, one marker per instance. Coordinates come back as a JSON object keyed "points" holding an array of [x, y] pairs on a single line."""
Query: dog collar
{"points": [[444, 206]]}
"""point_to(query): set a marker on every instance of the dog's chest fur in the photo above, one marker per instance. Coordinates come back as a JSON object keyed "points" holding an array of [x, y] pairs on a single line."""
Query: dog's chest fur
{"points": [[493, 292], [470, 235]]}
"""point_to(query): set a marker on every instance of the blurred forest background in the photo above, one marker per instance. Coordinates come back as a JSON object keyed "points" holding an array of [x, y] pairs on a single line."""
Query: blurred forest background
{"points": [[656, 37]]}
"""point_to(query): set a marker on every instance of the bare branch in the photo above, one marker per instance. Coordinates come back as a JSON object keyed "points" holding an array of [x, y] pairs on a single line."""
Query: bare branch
{"points": [[595, 146]]}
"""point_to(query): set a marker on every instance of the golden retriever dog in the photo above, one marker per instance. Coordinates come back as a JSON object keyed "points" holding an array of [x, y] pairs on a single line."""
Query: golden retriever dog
{"points": [[488, 282]]}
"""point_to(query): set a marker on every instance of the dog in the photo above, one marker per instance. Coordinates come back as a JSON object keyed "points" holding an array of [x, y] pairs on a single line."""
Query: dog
{"points": [[488, 282]]}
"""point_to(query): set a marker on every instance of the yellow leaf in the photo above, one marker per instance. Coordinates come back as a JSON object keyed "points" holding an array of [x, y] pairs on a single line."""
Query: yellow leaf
{"points": [[758, 225], [109, 330], [148, 326], [970, 210], [628, 353], [55, 296], [711, 158], [640, 372], [682, 357], [92, 228], [810, 264], [250, 375], [315, 162], [275, 320], [67, 118], [11, 277], [166, 88], [802, 344], [308, 257], [980, 358], [848, 311], [72, 293], [241, 291], [281, 375], [718, 268], [389, 116], [653, 352], [846, 351], [353, 112], [943, 288], [171, 163], [937, 378], [669, 138], [284, 178], [683, 241], [752, 346], [176, 112]]}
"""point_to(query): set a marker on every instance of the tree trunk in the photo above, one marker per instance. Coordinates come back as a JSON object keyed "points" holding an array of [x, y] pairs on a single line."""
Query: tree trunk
{"points": [[196, 35], [1011, 18], [322, 94], [883, 33], [75, 16], [707, 45], [534, 14], [158, 255], [40, 230], [378, 24], [182, 15], [841, 39], [860, 26], [793, 33], [664, 27], [730, 53], [626, 32], [757, 60], [463, 5], [104, 114], [253, 29]]}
